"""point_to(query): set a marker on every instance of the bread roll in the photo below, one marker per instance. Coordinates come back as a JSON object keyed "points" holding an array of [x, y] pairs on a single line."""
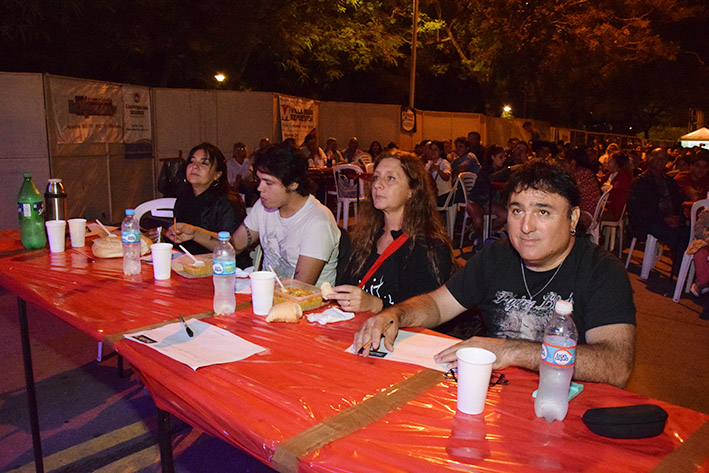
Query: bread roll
{"points": [[197, 269], [285, 312], [326, 290], [111, 247]]}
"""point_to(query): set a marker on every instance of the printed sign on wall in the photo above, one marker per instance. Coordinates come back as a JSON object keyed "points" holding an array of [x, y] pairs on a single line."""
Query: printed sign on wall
{"points": [[86, 111], [137, 130], [299, 117]]}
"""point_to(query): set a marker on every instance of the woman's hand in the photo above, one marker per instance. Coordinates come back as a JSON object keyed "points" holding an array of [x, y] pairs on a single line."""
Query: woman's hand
{"points": [[354, 299], [180, 232], [153, 234]]}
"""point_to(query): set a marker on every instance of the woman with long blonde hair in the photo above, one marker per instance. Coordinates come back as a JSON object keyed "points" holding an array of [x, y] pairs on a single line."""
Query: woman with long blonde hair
{"points": [[400, 247]]}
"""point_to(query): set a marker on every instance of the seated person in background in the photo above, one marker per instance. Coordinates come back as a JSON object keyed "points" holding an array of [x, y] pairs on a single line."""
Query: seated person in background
{"points": [[263, 145], [375, 149], [579, 166], [694, 183], [517, 283], [476, 146], [439, 169], [482, 197], [620, 177], [465, 160], [352, 153], [333, 154], [315, 155], [655, 207], [298, 234], [399, 248], [603, 159], [240, 173], [699, 249], [205, 202]]}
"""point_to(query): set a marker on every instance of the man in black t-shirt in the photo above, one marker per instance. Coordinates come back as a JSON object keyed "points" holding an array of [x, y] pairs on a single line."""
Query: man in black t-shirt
{"points": [[518, 282]]}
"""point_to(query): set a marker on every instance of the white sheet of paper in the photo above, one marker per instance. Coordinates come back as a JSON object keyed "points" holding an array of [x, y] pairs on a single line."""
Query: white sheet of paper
{"points": [[416, 348], [210, 345]]}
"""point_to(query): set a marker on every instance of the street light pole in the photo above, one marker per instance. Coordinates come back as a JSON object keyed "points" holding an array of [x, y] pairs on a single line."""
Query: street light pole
{"points": [[414, 42]]}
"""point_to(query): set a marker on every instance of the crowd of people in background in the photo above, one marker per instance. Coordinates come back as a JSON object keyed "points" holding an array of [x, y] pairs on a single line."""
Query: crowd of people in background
{"points": [[651, 187]]}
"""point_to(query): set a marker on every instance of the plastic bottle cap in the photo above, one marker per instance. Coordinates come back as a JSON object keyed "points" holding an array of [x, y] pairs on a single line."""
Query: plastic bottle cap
{"points": [[130, 211], [223, 236], [563, 307]]}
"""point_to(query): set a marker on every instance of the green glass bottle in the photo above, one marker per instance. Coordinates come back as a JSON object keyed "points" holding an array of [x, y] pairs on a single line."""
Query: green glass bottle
{"points": [[30, 210]]}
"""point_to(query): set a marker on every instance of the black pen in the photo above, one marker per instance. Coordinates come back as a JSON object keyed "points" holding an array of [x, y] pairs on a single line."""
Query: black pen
{"points": [[361, 350], [189, 331]]}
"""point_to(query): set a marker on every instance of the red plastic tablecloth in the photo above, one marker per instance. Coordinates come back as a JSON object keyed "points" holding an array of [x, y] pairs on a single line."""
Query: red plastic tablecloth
{"points": [[305, 377]]}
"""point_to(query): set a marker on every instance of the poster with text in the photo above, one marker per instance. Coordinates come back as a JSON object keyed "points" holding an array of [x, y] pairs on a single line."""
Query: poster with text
{"points": [[299, 117], [86, 111], [137, 130]]}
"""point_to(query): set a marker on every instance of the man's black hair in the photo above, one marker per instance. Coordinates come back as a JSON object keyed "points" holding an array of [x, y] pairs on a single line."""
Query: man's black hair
{"points": [[546, 177], [286, 163]]}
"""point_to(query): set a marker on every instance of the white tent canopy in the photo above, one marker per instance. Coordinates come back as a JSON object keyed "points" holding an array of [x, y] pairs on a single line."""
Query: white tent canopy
{"points": [[698, 137]]}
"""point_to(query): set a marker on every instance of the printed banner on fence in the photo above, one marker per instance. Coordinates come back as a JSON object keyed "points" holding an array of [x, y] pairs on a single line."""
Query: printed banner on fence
{"points": [[137, 131], [299, 117], [86, 111]]}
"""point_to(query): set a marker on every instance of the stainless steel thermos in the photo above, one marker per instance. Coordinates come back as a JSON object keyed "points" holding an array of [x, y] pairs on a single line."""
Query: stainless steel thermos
{"points": [[55, 200]]}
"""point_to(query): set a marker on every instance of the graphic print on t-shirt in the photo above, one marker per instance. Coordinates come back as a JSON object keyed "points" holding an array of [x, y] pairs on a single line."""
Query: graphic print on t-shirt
{"points": [[519, 318], [375, 289]]}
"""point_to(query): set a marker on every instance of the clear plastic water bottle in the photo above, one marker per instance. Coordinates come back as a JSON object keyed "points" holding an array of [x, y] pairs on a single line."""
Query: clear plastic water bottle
{"points": [[30, 210], [130, 236], [557, 364], [224, 274]]}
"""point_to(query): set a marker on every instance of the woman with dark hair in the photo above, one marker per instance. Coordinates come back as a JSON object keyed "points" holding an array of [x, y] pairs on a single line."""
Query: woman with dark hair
{"points": [[620, 177], [439, 169], [579, 165], [375, 149], [399, 248], [205, 202]]}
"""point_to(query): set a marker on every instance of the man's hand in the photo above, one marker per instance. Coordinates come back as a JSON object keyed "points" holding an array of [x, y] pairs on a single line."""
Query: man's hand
{"points": [[387, 323], [495, 345]]}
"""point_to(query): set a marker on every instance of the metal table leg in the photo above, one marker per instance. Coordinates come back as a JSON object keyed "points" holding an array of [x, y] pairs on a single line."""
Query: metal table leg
{"points": [[165, 440], [29, 383]]}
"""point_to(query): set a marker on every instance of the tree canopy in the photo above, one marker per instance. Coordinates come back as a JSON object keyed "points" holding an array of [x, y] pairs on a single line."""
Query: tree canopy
{"points": [[605, 65]]}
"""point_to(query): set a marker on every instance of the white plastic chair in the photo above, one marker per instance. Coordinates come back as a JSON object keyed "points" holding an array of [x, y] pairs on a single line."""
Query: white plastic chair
{"points": [[652, 253], [157, 208], [611, 225], [350, 190], [450, 208], [369, 167], [686, 270], [595, 226], [467, 180], [365, 158]]}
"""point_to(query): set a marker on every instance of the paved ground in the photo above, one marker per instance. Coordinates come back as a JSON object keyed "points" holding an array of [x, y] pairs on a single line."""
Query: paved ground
{"points": [[93, 420]]}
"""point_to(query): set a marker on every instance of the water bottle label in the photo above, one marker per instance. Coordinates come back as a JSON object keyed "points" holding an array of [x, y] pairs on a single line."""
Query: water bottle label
{"points": [[224, 268], [130, 237], [27, 210], [558, 356]]}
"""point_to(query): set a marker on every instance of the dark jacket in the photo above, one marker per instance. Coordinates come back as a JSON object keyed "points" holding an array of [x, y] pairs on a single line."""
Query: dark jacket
{"points": [[644, 203]]}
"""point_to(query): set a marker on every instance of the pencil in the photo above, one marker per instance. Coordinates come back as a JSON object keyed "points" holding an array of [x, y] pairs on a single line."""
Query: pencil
{"points": [[361, 350]]}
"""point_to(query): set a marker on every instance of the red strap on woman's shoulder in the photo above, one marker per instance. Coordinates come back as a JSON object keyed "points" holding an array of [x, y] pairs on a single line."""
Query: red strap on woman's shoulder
{"points": [[390, 250]]}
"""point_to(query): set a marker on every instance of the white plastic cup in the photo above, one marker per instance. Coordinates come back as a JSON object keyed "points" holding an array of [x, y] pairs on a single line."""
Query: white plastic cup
{"points": [[474, 371], [56, 233], [162, 260], [77, 232], [262, 285]]}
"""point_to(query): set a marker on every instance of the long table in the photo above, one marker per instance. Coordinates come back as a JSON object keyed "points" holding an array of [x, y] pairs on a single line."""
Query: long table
{"points": [[304, 404]]}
